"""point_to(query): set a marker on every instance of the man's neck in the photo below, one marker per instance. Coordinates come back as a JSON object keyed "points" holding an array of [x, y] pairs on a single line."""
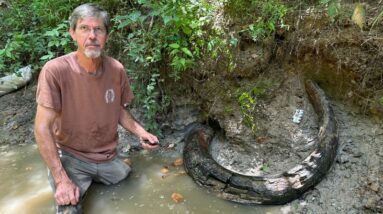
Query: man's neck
{"points": [[90, 65]]}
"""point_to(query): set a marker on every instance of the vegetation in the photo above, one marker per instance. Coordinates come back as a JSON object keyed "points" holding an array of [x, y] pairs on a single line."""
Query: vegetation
{"points": [[248, 97], [333, 7], [155, 39]]}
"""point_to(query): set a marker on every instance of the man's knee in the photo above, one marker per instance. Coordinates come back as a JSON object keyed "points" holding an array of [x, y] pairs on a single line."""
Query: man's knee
{"points": [[114, 171]]}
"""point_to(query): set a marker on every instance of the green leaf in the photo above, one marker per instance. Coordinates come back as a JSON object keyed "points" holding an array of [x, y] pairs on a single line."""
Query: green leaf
{"points": [[47, 57], [135, 15], [166, 19], [187, 52], [174, 52], [187, 30], [63, 42], [51, 43], [52, 33], [174, 45], [324, 1], [8, 53]]}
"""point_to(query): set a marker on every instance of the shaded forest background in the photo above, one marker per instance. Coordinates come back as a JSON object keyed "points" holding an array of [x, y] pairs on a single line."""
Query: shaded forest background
{"points": [[165, 43]]}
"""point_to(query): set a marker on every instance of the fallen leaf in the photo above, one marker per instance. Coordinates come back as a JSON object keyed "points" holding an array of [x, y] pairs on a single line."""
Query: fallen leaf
{"points": [[359, 15], [178, 162], [128, 161], [164, 170], [178, 198], [181, 173], [261, 139]]}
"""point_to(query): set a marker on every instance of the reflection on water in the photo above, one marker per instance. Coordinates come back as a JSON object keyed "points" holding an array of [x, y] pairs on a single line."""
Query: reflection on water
{"points": [[25, 189]]}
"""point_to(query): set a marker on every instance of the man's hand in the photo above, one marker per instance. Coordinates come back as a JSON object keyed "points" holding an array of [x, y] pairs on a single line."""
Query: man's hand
{"points": [[149, 141], [67, 193]]}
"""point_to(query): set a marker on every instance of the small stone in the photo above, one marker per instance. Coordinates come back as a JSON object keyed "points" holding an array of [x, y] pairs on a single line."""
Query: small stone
{"points": [[370, 203], [374, 186], [342, 159], [286, 210], [358, 154]]}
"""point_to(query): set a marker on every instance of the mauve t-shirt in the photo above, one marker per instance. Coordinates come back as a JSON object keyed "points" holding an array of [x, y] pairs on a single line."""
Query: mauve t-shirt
{"points": [[88, 105]]}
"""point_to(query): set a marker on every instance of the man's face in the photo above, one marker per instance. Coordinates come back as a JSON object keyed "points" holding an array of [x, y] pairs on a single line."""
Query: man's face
{"points": [[90, 35]]}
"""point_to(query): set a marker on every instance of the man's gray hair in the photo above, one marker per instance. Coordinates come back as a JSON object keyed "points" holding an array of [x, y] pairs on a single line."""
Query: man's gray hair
{"points": [[89, 10]]}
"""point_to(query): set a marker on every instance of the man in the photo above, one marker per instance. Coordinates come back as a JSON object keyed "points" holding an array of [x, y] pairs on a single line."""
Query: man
{"points": [[81, 100]]}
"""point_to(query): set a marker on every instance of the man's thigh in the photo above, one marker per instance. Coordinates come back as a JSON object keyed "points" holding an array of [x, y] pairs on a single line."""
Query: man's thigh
{"points": [[113, 171], [78, 171]]}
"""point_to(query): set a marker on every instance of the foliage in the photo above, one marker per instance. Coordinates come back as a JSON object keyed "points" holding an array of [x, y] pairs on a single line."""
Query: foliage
{"points": [[175, 32], [333, 7], [36, 31], [266, 16], [251, 95], [381, 101], [248, 102], [59, 41], [26, 24], [171, 30], [265, 168], [376, 19], [155, 39]]}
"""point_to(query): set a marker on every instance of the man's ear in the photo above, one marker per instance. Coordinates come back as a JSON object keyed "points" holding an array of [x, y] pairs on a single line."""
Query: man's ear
{"points": [[72, 34]]}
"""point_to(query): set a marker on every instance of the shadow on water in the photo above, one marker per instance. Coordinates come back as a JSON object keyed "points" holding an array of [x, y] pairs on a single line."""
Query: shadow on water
{"points": [[148, 189]]}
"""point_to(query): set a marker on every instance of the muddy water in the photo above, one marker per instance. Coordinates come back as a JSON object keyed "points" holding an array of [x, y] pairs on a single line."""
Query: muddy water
{"points": [[25, 189], [24, 185]]}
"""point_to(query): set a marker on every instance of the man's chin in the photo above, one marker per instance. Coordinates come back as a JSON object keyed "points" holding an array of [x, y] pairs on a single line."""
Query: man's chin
{"points": [[92, 54]]}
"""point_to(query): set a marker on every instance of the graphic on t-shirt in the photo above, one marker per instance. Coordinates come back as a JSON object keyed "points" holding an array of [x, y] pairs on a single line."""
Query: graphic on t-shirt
{"points": [[109, 96]]}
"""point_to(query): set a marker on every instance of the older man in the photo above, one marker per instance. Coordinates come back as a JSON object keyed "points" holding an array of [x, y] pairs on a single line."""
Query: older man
{"points": [[81, 100]]}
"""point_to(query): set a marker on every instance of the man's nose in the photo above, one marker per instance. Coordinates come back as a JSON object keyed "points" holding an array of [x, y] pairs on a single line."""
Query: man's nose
{"points": [[92, 34]]}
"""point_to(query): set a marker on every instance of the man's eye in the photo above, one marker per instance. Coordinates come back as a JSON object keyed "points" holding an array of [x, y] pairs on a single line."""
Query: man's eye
{"points": [[84, 28], [99, 30]]}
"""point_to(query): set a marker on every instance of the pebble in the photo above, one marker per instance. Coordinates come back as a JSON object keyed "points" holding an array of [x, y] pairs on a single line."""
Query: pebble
{"points": [[374, 186], [342, 159], [358, 154]]}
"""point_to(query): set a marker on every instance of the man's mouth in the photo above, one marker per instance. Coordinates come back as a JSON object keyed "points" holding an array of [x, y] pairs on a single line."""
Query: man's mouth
{"points": [[92, 46]]}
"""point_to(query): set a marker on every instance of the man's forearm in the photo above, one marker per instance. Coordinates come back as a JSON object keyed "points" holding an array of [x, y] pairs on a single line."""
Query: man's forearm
{"points": [[49, 153], [130, 123], [46, 144]]}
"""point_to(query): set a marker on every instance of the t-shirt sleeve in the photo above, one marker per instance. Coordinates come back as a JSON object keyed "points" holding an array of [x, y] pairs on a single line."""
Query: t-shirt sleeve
{"points": [[48, 92], [126, 92]]}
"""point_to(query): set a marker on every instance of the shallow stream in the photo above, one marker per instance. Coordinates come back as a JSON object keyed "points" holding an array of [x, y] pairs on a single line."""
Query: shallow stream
{"points": [[148, 189]]}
